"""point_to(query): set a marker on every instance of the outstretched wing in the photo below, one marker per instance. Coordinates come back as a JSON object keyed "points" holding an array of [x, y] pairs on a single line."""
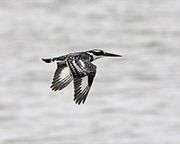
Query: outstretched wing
{"points": [[62, 76], [82, 86], [83, 73]]}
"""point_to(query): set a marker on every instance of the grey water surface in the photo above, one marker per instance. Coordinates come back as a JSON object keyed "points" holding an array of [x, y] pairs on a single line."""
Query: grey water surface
{"points": [[133, 100]]}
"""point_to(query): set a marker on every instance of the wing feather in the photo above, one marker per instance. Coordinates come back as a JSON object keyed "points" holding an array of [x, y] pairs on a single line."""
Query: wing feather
{"points": [[62, 77], [83, 74]]}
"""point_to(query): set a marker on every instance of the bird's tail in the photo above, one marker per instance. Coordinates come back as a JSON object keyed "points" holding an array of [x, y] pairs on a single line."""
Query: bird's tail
{"points": [[47, 60], [50, 60]]}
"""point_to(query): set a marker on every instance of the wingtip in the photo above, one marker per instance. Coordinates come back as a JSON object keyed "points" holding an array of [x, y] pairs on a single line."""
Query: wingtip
{"points": [[79, 101]]}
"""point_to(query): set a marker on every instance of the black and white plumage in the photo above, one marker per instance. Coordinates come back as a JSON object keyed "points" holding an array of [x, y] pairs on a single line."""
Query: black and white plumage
{"points": [[62, 76], [76, 67]]}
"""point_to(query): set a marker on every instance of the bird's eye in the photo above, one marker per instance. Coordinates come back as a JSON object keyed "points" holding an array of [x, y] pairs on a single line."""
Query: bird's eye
{"points": [[102, 52]]}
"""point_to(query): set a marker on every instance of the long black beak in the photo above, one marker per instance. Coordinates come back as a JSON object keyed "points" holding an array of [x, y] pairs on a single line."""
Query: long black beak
{"points": [[111, 55]]}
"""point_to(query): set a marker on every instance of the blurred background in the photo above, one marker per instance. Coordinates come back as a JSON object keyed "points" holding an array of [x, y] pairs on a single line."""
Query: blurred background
{"points": [[133, 100]]}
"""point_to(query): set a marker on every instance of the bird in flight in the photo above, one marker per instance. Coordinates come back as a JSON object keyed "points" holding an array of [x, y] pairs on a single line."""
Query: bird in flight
{"points": [[77, 67]]}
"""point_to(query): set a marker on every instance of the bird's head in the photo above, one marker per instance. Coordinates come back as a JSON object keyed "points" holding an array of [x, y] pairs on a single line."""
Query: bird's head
{"points": [[98, 53]]}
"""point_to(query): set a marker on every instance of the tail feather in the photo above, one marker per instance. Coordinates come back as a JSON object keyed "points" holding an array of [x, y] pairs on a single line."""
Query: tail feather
{"points": [[47, 60]]}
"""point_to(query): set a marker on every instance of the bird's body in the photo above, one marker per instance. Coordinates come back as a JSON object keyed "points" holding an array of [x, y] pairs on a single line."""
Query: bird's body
{"points": [[76, 67]]}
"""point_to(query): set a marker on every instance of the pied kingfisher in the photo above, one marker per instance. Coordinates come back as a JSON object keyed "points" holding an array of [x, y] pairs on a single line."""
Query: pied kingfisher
{"points": [[77, 67]]}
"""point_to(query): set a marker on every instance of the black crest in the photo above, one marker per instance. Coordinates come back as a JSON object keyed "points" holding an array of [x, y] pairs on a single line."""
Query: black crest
{"points": [[97, 52]]}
